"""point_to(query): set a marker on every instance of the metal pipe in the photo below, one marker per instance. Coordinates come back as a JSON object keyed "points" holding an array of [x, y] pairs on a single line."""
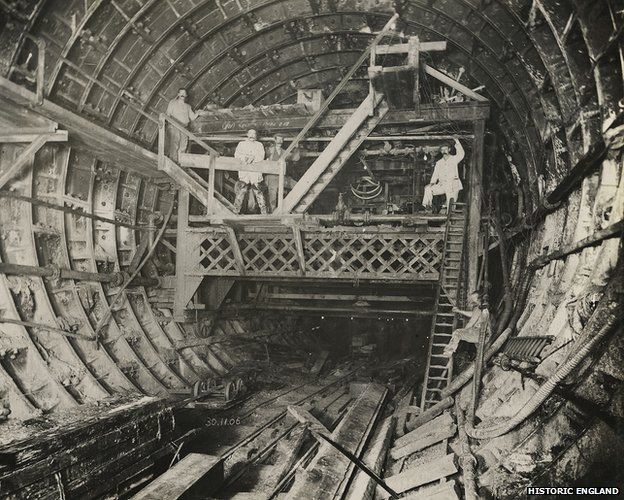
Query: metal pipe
{"points": [[109, 311], [403, 137], [241, 306], [32, 324], [55, 273], [73, 211], [615, 229]]}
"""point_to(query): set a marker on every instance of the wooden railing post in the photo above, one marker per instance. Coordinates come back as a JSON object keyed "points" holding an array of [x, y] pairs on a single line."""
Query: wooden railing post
{"points": [[211, 184], [280, 185]]}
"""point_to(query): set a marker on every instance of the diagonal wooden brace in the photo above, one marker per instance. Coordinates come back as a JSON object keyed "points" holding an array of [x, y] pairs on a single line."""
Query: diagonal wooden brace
{"points": [[27, 155]]}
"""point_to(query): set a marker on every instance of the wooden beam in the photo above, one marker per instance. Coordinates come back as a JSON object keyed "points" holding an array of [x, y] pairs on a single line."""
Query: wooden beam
{"points": [[196, 472], [11, 137], [413, 59], [334, 119], [212, 177], [185, 286], [402, 48], [299, 246], [424, 441], [349, 297], [202, 161], [325, 106], [475, 195], [444, 78], [86, 135], [345, 311], [168, 245], [215, 290], [423, 474], [238, 256], [443, 420], [25, 156], [330, 471], [393, 69], [375, 457]]}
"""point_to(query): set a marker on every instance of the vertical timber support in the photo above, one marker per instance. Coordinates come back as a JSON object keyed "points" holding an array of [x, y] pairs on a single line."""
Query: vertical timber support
{"points": [[280, 186], [211, 184], [185, 286], [238, 255], [474, 204], [413, 60]]}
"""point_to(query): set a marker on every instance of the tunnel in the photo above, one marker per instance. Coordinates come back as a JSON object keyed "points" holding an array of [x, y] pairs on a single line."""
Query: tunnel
{"points": [[311, 249]]}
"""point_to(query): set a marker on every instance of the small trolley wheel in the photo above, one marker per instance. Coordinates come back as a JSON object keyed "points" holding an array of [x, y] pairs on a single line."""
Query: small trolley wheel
{"points": [[230, 391]]}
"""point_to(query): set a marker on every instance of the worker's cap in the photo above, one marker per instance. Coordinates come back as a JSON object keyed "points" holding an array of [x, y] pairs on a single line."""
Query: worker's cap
{"points": [[252, 134]]}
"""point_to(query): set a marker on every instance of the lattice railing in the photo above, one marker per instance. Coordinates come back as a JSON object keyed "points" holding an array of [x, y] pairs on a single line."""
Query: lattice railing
{"points": [[343, 254]]}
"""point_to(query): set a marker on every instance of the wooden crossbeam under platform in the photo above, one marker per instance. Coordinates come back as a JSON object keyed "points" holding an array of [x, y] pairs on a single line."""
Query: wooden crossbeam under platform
{"points": [[334, 119]]}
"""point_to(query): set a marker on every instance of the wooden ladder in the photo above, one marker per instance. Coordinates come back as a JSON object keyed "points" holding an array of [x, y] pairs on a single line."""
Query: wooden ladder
{"points": [[439, 366], [359, 125]]}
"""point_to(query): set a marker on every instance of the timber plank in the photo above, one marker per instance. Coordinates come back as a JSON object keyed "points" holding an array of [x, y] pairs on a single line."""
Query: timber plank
{"points": [[443, 420], [133, 461], [320, 362], [363, 486], [330, 471], [86, 135], [444, 491], [423, 474], [425, 441], [189, 472]]}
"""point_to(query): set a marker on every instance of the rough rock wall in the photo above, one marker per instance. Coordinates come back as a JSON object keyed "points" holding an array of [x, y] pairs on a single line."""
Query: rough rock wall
{"points": [[569, 437]]}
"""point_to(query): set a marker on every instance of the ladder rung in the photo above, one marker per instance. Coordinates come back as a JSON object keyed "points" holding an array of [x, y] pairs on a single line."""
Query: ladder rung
{"points": [[437, 378], [436, 334], [439, 345]]}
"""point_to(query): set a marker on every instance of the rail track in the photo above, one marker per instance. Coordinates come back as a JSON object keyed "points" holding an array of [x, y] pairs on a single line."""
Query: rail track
{"points": [[257, 444]]}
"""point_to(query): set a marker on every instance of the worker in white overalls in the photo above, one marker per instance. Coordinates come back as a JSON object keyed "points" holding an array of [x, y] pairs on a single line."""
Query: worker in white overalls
{"points": [[445, 179], [250, 151], [180, 110]]}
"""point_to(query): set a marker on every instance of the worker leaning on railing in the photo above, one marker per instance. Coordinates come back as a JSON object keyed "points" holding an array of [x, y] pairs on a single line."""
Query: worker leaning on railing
{"points": [[180, 110]]}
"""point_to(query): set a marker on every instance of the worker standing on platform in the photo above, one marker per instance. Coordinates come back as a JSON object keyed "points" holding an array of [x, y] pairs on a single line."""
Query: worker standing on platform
{"points": [[445, 178], [181, 111], [250, 151], [272, 180]]}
